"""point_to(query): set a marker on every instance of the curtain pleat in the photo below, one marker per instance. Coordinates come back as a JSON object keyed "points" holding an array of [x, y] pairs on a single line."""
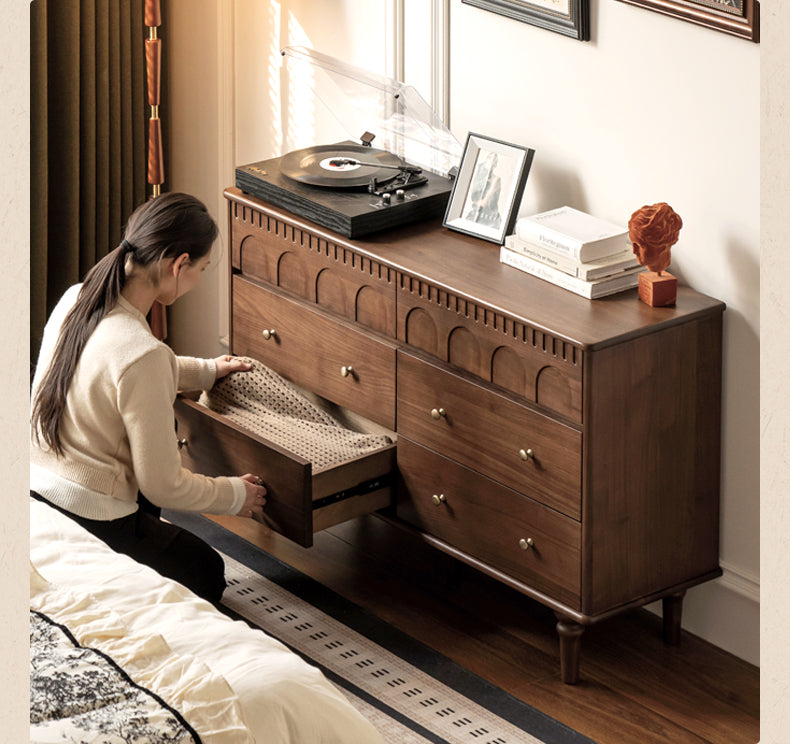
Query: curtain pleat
{"points": [[88, 139], [89, 133], [39, 176], [63, 133]]}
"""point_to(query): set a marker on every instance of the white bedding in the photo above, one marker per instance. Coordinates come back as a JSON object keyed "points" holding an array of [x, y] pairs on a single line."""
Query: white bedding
{"points": [[230, 682]]}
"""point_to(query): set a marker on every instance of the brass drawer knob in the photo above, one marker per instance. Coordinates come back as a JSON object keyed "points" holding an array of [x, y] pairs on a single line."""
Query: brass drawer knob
{"points": [[346, 370], [438, 413], [182, 443], [438, 499], [526, 454], [269, 334], [526, 544]]}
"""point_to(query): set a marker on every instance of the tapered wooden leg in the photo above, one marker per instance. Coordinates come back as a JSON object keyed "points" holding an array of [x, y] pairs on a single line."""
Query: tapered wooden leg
{"points": [[673, 613], [570, 633]]}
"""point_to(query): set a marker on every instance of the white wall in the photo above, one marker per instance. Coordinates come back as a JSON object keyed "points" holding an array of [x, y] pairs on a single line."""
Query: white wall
{"points": [[652, 109]]}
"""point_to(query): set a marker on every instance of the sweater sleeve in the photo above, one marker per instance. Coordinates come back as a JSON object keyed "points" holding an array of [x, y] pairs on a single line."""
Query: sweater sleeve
{"points": [[146, 392], [195, 374]]}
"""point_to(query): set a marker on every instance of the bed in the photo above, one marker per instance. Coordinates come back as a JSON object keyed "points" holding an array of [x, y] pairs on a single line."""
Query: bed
{"points": [[123, 654]]}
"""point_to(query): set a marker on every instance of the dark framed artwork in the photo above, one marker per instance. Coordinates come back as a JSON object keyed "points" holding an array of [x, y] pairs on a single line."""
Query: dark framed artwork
{"points": [[737, 17], [488, 188], [567, 17]]}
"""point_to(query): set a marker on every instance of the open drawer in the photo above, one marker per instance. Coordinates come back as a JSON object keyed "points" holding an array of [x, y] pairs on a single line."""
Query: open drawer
{"points": [[299, 502]]}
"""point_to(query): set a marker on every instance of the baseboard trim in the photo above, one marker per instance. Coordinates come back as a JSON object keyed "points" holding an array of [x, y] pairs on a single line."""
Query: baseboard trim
{"points": [[725, 612], [741, 582]]}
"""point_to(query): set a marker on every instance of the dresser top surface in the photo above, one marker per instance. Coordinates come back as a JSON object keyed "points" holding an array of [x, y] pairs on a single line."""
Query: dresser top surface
{"points": [[470, 268]]}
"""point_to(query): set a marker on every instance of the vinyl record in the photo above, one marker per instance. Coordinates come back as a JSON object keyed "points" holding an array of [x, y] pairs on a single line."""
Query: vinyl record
{"points": [[313, 165]]}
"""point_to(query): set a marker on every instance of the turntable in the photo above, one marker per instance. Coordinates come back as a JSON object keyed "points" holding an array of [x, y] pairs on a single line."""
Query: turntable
{"points": [[354, 187]]}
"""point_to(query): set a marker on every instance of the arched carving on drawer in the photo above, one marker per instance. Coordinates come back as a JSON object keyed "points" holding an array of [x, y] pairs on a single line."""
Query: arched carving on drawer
{"points": [[509, 370], [292, 274], [254, 260], [555, 390], [463, 350], [373, 310], [421, 331], [333, 293]]}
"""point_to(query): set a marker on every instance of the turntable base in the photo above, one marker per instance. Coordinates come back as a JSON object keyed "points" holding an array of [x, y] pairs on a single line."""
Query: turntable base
{"points": [[350, 212]]}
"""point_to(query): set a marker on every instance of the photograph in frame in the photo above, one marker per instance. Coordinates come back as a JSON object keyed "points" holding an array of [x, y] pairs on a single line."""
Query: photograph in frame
{"points": [[488, 189]]}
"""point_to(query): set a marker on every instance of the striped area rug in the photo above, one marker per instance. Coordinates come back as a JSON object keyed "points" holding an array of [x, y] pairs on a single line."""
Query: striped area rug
{"points": [[410, 693]]}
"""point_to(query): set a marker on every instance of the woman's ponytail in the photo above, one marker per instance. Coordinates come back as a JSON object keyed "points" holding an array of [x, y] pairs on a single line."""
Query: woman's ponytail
{"points": [[97, 296], [163, 227]]}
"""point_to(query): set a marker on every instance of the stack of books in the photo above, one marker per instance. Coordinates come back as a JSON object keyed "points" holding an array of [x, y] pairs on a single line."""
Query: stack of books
{"points": [[574, 250]]}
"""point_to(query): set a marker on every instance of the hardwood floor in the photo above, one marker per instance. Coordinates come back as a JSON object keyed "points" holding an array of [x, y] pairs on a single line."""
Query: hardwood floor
{"points": [[633, 688]]}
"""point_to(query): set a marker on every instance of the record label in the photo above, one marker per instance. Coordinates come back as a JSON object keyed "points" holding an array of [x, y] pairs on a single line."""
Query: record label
{"points": [[332, 164]]}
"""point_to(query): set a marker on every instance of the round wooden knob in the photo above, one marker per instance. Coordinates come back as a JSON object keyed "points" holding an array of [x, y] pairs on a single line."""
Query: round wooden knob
{"points": [[269, 334]]}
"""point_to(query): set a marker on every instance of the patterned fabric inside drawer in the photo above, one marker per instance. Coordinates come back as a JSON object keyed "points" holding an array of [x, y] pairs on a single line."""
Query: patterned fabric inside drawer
{"points": [[268, 405]]}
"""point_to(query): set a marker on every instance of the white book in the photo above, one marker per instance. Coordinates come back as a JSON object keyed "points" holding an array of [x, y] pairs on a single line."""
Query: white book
{"points": [[592, 290], [606, 266], [573, 233]]}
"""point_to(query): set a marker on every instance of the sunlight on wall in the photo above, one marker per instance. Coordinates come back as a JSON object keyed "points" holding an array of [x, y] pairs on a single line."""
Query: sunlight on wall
{"points": [[275, 109], [300, 116], [288, 118], [273, 78]]}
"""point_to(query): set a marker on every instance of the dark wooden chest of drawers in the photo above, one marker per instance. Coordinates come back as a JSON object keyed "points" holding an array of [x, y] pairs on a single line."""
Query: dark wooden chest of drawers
{"points": [[569, 448]]}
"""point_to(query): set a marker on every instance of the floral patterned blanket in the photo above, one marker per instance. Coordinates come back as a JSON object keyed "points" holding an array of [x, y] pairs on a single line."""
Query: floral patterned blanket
{"points": [[95, 612], [79, 693]]}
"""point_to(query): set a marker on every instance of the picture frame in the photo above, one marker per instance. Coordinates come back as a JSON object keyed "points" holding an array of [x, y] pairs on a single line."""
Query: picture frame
{"points": [[567, 17], [736, 17], [487, 191]]}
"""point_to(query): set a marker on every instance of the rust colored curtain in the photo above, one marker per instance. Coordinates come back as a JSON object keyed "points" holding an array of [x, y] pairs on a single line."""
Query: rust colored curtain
{"points": [[88, 139]]}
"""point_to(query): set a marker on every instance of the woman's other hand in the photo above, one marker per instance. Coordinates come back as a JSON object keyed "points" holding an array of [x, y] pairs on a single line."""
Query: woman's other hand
{"points": [[227, 364], [256, 496]]}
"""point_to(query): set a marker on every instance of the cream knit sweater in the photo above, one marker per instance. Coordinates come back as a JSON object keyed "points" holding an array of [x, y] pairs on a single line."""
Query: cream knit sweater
{"points": [[118, 431]]}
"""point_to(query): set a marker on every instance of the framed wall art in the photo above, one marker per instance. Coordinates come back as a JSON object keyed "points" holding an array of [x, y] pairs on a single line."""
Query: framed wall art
{"points": [[567, 17], [487, 190], [737, 17]]}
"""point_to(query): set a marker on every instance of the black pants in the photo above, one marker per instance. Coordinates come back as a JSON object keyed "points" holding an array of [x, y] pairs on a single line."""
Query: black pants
{"points": [[172, 551]]}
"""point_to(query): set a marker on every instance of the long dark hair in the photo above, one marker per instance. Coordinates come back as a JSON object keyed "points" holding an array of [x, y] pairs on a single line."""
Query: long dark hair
{"points": [[164, 227]]}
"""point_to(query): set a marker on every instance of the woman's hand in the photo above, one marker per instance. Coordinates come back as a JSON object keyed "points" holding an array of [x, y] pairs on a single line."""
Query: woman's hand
{"points": [[227, 364], [256, 496]]}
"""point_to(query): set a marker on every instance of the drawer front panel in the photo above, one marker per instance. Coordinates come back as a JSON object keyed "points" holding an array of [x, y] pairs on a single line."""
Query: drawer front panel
{"points": [[508, 442], [542, 368], [325, 356], [214, 446], [490, 522], [299, 502], [270, 249]]}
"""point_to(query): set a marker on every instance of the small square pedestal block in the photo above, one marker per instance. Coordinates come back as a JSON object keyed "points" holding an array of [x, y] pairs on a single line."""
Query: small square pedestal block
{"points": [[658, 290]]}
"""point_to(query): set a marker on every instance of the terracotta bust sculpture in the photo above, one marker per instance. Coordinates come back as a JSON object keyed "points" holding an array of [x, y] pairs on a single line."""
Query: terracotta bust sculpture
{"points": [[653, 230]]}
